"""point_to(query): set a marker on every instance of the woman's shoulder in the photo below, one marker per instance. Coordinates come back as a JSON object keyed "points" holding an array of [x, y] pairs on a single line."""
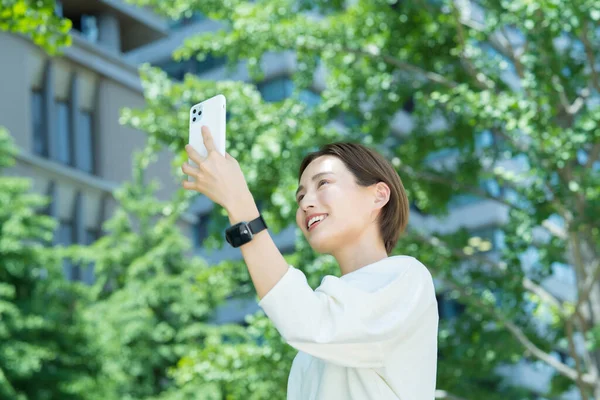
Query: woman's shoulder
{"points": [[382, 274]]}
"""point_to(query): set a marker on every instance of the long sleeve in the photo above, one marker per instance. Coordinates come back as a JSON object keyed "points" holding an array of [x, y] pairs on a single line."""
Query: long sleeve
{"points": [[345, 324]]}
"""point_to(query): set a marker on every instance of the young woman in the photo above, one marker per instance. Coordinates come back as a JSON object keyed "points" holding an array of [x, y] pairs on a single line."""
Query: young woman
{"points": [[369, 334]]}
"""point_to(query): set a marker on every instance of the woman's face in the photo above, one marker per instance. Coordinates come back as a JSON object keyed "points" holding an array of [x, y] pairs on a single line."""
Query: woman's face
{"points": [[348, 206]]}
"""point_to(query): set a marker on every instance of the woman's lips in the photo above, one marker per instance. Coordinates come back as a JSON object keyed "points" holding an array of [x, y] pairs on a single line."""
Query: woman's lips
{"points": [[315, 224]]}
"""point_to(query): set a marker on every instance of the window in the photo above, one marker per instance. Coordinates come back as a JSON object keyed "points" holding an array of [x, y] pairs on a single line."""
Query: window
{"points": [[514, 197], [40, 134], [441, 154], [210, 62], [201, 229], [87, 273], [564, 272], [276, 89], [490, 186], [349, 120], [448, 308], [186, 20], [409, 105], [484, 139], [63, 133], [461, 200], [281, 88], [88, 26], [85, 148], [65, 237], [58, 8], [177, 70], [310, 98]]}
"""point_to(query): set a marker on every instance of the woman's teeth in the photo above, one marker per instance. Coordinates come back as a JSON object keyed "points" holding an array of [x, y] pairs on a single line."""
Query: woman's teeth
{"points": [[316, 223]]}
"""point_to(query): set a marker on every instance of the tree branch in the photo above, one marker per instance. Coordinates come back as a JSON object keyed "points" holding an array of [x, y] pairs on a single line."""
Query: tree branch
{"points": [[527, 283], [454, 185], [589, 52], [566, 174], [552, 228], [544, 295], [578, 103], [573, 351], [480, 78], [586, 354], [512, 54], [521, 147], [388, 59], [593, 156], [501, 43], [518, 333], [563, 369], [561, 92], [587, 286], [562, 210]]}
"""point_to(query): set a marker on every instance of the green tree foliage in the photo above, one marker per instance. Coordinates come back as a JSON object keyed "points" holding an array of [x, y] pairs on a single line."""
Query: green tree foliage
{"points": [[46, 351], [45, 348], [449, 62], [37, 20], [151, 302]]}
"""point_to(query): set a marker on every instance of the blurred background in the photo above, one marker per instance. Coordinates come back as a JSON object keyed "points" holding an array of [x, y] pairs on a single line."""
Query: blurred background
{"points": [[116, 284]]}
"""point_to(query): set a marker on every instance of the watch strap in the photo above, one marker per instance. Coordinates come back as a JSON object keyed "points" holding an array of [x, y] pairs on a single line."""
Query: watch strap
{"points": [[257, 224], [236, 235]]}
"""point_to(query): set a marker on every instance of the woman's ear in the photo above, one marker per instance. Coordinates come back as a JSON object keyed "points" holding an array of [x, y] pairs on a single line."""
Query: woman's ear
{"points": [[382, 194]]}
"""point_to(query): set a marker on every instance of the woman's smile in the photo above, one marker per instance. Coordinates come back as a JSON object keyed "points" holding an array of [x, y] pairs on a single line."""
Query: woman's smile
{"points": [[313, 226]]}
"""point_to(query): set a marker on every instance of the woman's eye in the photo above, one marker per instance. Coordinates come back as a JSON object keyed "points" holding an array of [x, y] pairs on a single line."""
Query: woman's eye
{"points": [[301, 196]]}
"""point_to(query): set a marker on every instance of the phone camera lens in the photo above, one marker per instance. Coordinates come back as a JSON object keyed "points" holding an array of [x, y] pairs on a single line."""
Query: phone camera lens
{"points": [[194, 111], [194, 120], [199, 112]]}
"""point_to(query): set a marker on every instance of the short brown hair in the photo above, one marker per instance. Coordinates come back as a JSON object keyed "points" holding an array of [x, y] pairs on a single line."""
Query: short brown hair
{"points": [[370, 167]]}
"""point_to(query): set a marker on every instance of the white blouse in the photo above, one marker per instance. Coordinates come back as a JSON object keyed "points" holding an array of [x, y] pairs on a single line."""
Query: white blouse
{"points": [[370, 334]]}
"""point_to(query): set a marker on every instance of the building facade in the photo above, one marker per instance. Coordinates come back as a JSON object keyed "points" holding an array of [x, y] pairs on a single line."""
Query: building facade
{"points": [[63, 113]]}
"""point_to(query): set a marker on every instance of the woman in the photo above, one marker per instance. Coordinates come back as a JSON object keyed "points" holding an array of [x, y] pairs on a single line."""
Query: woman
{"points": [[369, 334]]}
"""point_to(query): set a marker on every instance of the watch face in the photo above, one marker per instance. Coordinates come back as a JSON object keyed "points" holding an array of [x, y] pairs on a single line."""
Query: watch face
{"points": [[239, 234]]}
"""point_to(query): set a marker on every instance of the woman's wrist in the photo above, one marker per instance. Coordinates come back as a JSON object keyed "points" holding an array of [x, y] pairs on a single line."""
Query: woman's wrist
{"points": [[243, 209]]}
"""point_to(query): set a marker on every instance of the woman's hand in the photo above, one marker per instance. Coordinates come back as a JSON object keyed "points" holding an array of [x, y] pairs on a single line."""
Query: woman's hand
{"points": [[219, 178]]}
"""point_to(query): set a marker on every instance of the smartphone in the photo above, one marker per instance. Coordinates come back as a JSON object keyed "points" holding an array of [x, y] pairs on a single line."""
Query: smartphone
{"points": [[212, 113]]}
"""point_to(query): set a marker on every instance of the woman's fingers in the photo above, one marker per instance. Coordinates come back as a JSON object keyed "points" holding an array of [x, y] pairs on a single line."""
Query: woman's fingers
{"points": [[189, 185], [193, 154], [189, 170], [208, 140]]}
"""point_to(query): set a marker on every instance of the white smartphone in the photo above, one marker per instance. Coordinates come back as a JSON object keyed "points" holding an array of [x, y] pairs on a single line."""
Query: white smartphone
{"points": [[212, 113]]}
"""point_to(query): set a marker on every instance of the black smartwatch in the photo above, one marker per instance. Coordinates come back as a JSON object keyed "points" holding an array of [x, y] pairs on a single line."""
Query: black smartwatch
{"points": [[243, 232]]}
